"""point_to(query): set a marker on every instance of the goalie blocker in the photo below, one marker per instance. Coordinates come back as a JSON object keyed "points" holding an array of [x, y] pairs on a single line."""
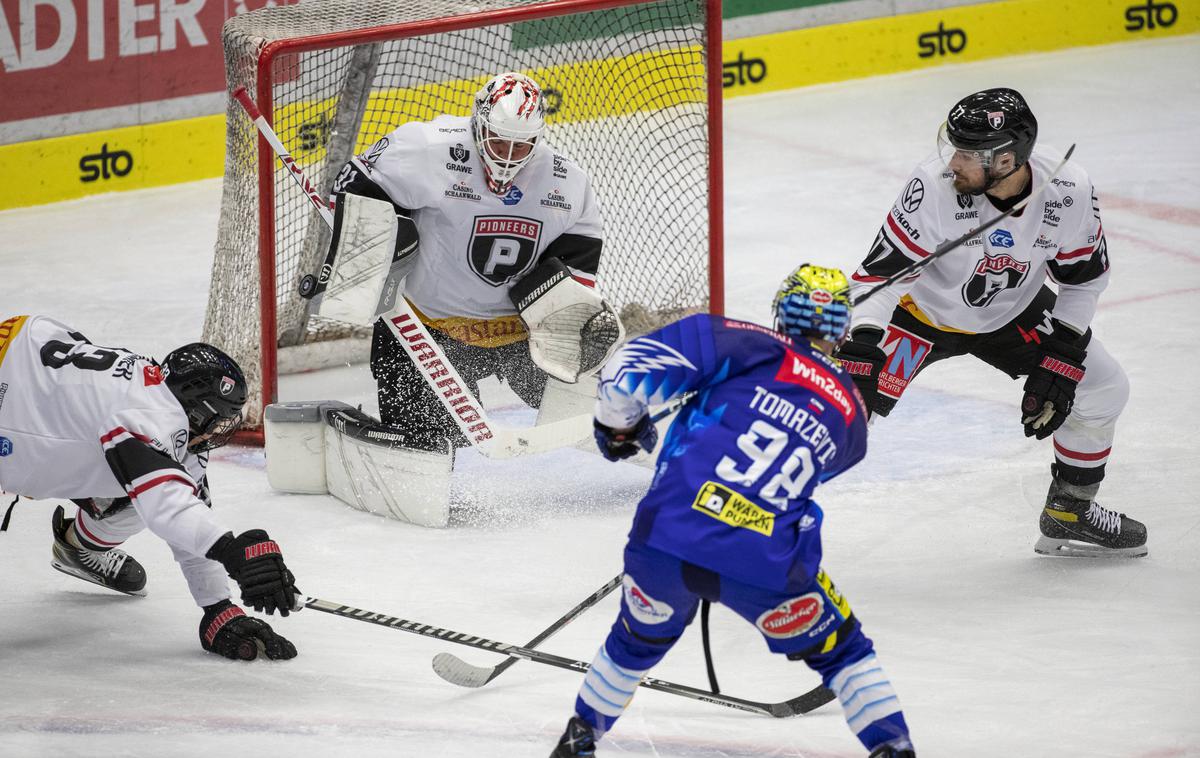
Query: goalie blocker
{"points": [[572, 330]]}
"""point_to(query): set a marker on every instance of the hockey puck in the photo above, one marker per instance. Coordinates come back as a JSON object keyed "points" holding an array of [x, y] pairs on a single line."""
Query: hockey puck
{"points": [[308, 286]]}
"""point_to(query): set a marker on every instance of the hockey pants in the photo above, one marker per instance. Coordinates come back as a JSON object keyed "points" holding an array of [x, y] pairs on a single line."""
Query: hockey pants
{"points": [[1082, 444], [659, 600]]}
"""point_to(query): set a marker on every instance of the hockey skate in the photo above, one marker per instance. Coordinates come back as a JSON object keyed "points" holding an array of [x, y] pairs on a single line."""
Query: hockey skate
{"points": [[1073, 524], [887, 751], [576, 740], [113, 569]]}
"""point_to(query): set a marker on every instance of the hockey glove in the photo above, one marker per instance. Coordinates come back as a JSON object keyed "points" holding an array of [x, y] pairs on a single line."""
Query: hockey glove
{"points": [[863, 359], [255, 562], [226, 630], [1050, 387], [619, 445]]}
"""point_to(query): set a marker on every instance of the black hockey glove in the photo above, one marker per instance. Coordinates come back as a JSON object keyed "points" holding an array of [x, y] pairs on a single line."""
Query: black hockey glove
{"points": [[863, 359], [617, 446], [255, 562], [1050, 386], [226, 630]]}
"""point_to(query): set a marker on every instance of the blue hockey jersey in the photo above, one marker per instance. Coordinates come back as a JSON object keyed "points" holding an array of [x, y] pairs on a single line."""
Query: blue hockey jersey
{"points": [[772, 417]]}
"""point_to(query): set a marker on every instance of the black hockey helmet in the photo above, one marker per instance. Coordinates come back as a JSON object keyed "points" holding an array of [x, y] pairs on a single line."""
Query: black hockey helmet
{"points": [[212, 390], [991, 122]]}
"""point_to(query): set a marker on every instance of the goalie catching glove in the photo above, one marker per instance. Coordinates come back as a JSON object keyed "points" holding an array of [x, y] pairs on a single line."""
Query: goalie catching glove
{"points": [[572, 330]]}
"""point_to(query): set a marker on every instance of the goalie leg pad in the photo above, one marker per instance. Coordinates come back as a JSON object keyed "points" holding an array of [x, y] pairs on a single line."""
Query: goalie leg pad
{"points": [[572, 330]]}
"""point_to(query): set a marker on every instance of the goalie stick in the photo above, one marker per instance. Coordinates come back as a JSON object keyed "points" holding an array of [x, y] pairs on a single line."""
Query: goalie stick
{"points": [[800, 704], [443, 378], [954, 244]]}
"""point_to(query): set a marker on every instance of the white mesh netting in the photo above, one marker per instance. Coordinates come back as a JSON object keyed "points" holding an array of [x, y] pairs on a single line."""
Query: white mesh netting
{"points": [[627, 96]]}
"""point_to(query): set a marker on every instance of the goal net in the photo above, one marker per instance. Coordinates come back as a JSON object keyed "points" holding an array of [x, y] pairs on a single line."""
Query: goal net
{"points": [[633, 95]]}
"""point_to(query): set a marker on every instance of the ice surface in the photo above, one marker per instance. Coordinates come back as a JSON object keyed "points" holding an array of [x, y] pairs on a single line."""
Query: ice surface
{"points": [[994, 651]]}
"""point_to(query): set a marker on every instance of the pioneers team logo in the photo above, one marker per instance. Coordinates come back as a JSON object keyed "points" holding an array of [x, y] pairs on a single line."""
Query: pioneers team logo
{"points": [[502, 247], [992, 275], [995, 119], [226, 385]]}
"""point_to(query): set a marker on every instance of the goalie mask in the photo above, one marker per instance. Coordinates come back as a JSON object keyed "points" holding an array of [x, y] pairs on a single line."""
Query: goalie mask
{"points": [[212, 390], [507, 123], [813, 302]]}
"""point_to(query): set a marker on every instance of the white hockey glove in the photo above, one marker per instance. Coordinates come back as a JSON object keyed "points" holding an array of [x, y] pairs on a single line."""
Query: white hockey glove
{"points": [[572, 330]]}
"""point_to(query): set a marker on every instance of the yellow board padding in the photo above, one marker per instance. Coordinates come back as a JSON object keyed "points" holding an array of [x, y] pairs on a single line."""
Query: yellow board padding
{"points": [[887, 45], [51, 170], [135, 157]]}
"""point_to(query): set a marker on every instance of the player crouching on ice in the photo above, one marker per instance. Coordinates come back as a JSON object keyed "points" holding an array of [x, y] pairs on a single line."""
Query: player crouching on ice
{"points": [[127, 440], [730, 516]]}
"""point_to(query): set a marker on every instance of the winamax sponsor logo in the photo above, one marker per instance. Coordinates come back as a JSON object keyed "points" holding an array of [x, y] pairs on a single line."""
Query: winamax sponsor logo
{"points": [[743, 71], [941, 42], [793, 618], [105, 164], [1150, 15]]}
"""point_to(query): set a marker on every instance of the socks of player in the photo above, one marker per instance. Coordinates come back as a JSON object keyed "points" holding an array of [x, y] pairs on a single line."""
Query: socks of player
{"points": [[870, 704], [606, 690]]}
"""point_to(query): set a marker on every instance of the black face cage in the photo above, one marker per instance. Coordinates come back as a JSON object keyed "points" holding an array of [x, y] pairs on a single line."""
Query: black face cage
{"points": [[219, 429]]}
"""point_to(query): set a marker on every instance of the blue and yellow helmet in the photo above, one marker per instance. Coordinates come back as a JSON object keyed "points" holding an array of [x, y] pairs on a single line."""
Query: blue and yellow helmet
{"points": [[813, 302]]}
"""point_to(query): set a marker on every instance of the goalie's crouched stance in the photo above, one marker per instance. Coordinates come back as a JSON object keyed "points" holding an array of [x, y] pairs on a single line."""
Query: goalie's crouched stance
{"points": [[564, 329]]}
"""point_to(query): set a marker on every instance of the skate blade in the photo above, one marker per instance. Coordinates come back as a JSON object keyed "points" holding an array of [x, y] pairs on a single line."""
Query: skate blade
{"points": [[89, 578], [1072, 549]]}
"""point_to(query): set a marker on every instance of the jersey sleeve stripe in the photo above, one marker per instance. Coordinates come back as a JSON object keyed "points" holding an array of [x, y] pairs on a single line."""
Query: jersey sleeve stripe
{"points": [[119, 434], [900, 235], [864, 278], [136, 489]]}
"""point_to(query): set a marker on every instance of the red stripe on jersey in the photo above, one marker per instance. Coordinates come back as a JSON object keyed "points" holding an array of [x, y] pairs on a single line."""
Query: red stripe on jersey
{"points": [[904, 238], [118, 431], [1067, 255], [160, 480], [583, 281], [1082, 456], [864, 278]]}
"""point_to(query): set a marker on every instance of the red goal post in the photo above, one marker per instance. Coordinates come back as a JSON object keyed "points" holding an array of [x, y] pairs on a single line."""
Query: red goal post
{"points": [[633, 89]]}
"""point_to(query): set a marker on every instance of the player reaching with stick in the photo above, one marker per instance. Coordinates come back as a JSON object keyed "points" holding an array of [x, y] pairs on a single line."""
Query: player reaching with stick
{"points": [[991, 300], [729, 516], [127, 439]]}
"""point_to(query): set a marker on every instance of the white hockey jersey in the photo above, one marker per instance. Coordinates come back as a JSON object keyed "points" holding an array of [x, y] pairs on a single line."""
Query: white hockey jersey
{"points": [[992, 277], [475, 244], [82, 421]]}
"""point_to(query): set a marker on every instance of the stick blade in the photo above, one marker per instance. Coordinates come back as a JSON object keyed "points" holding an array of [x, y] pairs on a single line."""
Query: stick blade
{"points": [[457, 671], [801, 704]]}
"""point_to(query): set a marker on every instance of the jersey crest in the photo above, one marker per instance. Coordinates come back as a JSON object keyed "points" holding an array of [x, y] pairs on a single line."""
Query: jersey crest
{"points": [[503, 247], [992, 275]]}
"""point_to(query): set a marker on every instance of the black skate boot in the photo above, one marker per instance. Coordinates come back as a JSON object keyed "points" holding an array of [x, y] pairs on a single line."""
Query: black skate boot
{"points": [[1074, 524], [113, 569], [887, 751], [578, 739]]}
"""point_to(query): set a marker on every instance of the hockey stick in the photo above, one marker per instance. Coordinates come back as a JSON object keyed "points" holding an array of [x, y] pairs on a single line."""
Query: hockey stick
{"points": [[946, 247], [809, 701], [441, 375], [457, 671]]}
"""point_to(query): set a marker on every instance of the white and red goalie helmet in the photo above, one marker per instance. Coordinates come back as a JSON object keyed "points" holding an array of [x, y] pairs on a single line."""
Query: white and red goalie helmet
{"points": [[508, 121]]}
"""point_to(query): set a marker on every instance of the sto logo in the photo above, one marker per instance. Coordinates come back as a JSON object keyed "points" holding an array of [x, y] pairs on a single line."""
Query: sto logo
{"points": [[644, 608]]}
